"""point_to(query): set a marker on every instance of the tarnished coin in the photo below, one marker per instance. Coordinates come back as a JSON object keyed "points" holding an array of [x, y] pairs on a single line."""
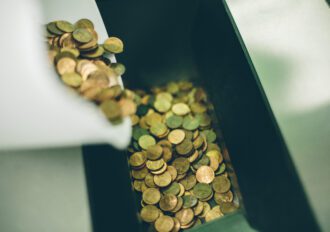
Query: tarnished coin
{"points": [[158, 129], [185, 147], [188, 182], [113, 45], [174, 189], [84, 23], [198, 209], [177, 225], [202, 190], [111, 109], [82, 35], [154, 152], [172, 170], [205, 174], [149, 213], [189, 201], [164, 224], [223, 197], [181, 164], [190, 123], [228, 207], [168, 202], [174, 121], [151, 196], [140, 174], [176, 136], [154, 165], [221, 184]]}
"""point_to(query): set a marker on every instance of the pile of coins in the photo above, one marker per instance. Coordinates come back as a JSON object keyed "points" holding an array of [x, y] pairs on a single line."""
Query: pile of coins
{"points": [[83, 65], [176, 163]]}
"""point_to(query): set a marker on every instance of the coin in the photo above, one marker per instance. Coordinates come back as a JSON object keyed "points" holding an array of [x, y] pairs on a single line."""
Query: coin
{"points": [[140, 174], [137, 159], [168, 202], [154, 152], [146, 141], [154, 165], [149, 180], [216, 154], [185, 216], [151, 196], [111, 109], [177, 225], [206, 209], [176, 136], [202, 190], [174, 121], [228, 207], [189, 201], [163, 180], [149, 213], [113, 45], [223, 197], [181, 165], [214, 213], [190, 123], [180, 109], [64, 26], [82, 35], [189, 182], [164, 224], [221, 184], [72, 79], [185, 147], [66, 65], [84, 23], [205, 174], [198, 209], [174, 189], [158, 129]]}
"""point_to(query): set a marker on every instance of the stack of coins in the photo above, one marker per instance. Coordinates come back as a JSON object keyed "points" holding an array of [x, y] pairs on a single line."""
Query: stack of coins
{"points": [[82, 65], [176, 163]]}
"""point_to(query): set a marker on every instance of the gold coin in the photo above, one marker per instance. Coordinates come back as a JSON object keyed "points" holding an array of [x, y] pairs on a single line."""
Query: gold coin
{"points": [[113, 45], [180, 109], [137, 159], [214, 213], [72, 79], [128, 107], [151, 196], [154, 152], [185, 216], [223, 197], [205, 174], [164, 224], [181, 165], [162, 105], [137, 185], [66, 65], [216, 154], [193, 157], [154, 165], [149, 213], [188, 225], [168, 202], [173, 172], [221, 184], [228, 207], [163, 180], [182, 190], [82, 35], [146, 141], [167, 154], [176, 136], [214, 163], [134, 118], [178, 205]]}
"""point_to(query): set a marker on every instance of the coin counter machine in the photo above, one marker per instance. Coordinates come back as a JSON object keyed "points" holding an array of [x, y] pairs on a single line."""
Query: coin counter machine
{"points": [[164, 41]]}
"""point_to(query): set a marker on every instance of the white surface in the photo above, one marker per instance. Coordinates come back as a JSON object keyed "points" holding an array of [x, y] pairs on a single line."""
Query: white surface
{"points": [[289, 43], [43, 191], [36, 109]]}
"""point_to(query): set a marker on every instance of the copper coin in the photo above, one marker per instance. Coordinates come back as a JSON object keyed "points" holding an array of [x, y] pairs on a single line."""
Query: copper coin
{"points": [[205, 174]]}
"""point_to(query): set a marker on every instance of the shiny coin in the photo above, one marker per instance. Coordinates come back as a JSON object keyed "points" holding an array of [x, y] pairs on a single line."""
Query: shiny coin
{"points": [[66, 65], [178, 205], [154, 152], [206, 209], [158, 129], [216, 154], [113, 45], [177, 225], [176, 136], [205, 174], [172, 170], [154, 165], [149, 213], [164, 224], [149, 180], [151, 196], [198, 209]]}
